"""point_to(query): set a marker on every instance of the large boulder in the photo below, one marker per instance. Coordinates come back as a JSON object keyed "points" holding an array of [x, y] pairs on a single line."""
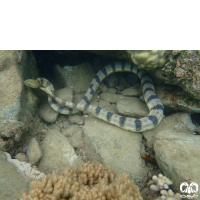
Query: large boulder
{"points": [[178, 156], [115, 148], [17, 102]]}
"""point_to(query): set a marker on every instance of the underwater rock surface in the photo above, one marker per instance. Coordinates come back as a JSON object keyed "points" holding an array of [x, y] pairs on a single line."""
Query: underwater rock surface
{"points": [[114, 147], [182, 69], [177, 154], [12, 183], [17, 102], [65, 141]]}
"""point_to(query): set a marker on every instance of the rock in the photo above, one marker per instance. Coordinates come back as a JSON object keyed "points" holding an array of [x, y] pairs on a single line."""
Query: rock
{"points": [[177, 154], [185, 124], [103, 87], [119, 87], [180, 122], [58, 154], [65, 94], [60, 76], [17, 102], [76, 119], [134, 91], [78, 97], [94, 102], [68, 132], [112, 98], [103, 104], [34, 152], [123, 82], [112, 90], [21, 157], [12, 183], [49, 115], [111, 108], [132, 106], [77, 140], [78, 77], [177, 99], [115, 147], [182, 69], [132, 79], [63, 121], [53, 126], [112, 80]]}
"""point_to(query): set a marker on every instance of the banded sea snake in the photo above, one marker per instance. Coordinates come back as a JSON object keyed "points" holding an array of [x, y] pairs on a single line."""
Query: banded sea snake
{"points": [[154, 104]]}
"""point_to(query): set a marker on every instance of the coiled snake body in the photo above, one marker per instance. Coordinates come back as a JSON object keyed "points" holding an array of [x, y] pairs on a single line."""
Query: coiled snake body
{"points": [[136, 125]]}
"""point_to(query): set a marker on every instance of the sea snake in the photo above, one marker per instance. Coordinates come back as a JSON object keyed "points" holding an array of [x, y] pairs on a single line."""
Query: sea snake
{"points": [[154, 104]]}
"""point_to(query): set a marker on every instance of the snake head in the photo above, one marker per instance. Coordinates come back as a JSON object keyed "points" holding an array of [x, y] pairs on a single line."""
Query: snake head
{"points": [[32, 83]]}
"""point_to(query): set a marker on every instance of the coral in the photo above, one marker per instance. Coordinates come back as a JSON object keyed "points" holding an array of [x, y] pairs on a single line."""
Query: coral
{"points": [[169, 195], [25, 168], [148, 59], [89, 182], [161, 182]]}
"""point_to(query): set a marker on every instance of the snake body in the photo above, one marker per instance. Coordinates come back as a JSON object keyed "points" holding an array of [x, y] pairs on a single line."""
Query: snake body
{"points": [[154, 104]]}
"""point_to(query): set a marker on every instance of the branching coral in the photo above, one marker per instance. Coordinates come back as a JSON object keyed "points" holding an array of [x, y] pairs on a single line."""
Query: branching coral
{"points": [[91, 181], [162, 182], [169, 195]]}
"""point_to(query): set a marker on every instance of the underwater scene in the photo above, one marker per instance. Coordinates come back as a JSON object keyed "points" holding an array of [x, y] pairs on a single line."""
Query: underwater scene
{"points": [[100, 125]]}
